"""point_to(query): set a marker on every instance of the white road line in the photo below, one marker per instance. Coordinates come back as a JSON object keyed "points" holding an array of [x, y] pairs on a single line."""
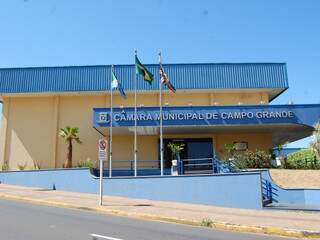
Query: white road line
{"points": [[97, 236]]}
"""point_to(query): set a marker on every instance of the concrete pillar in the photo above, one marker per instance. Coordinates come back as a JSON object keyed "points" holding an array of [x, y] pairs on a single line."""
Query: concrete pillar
{"points": [[4, 130], [55, 129], [212, 99]]}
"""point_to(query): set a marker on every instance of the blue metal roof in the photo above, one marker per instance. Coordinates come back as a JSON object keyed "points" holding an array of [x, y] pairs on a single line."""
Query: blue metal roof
{"points": [[183, 76]]}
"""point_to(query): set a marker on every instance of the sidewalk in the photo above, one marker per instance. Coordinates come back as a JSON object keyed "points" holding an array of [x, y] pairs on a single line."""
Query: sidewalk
{"points": [[286, 223]]}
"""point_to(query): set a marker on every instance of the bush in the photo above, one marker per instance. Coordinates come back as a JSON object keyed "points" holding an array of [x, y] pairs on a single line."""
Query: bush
{"points": [[253, 159], [22, 167], [87, 164], [303, 159], [206, 222], [5, 166]]}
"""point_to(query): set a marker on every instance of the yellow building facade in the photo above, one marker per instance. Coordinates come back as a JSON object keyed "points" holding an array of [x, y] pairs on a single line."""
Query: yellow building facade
{"points": [[30, 126], [33, 115]]}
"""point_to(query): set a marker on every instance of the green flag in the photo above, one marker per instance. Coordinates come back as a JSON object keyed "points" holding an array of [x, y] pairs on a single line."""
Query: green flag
{"points": [[147, 76]]}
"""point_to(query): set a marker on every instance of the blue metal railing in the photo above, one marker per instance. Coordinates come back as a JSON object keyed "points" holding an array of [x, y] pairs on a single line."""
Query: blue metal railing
{"points": [[269, 193], [196, 164], [232, 166], [123, 168], [184, 166], [206, 165], [129, 164]]}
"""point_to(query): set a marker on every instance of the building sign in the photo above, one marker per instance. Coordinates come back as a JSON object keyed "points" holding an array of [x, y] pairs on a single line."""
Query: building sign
{"points": [[185, 116], [202, 115]]}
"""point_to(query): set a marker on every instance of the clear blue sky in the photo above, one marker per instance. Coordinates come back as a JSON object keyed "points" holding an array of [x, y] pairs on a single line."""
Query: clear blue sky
{"points": [[88, 32]]}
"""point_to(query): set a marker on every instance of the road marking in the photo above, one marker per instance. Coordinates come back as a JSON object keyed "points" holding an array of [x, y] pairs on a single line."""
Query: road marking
{"points": [[97, 236]]}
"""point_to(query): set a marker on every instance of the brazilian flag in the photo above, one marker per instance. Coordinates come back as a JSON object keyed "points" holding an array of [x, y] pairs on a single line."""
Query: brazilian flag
{"points": [[147, 76]]}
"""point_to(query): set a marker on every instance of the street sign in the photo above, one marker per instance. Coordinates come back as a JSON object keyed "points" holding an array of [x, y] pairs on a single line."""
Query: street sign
{"points": [[102, 153]]}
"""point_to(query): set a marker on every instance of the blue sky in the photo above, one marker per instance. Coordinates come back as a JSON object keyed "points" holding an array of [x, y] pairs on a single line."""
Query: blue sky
{"points": [[89, 32]]}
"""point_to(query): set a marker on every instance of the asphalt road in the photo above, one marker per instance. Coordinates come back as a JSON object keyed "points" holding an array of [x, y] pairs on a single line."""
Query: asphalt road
{"points": [[26, 221]]}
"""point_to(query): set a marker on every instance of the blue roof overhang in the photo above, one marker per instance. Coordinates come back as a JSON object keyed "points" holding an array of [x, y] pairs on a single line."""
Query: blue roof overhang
{"points": [[287, 123], [269, 77]]}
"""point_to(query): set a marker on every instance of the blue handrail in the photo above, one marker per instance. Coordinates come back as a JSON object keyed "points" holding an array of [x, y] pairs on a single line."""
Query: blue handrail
{"points": [[266, 191], [190, 166], [205, 164]]}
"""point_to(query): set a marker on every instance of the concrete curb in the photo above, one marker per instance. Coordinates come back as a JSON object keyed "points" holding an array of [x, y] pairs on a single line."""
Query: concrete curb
{"points": [[215, 225]]}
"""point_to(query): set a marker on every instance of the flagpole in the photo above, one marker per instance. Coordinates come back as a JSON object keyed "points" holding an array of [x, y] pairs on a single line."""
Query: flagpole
{"points": [[161, 130], [135, 120], [111, 123]]}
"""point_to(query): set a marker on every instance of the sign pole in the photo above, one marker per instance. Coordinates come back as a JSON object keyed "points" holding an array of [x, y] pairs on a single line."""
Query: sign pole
{"points": [[111, 122], [102, 155], [135, 120], [161, 132], [101, 183]]}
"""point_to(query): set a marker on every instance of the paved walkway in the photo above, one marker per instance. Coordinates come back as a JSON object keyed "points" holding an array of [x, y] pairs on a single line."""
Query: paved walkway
{"points": [[181, 212]]}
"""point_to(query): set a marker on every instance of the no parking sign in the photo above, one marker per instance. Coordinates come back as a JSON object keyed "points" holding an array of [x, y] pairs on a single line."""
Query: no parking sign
{"points": [[102, 153]]}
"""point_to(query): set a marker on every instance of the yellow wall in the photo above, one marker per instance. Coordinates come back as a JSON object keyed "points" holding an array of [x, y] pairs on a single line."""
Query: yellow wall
{"points": [[261, 141], [29, 129], [238, 98], [33, 125], [30, 125], [195, 99], [76, 111], [147, 150]]}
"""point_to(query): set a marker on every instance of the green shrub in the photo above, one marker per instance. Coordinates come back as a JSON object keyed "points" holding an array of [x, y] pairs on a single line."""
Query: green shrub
{"points": [[22, 167], [87, 164], [231, 148], [315, 144], [206, 222], [253, 159], [5, 166], [303, 159]]}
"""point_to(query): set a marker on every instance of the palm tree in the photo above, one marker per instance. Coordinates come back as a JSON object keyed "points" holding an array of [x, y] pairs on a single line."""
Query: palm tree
{"points": [[69, 134], [175, 148], [315, 144]]}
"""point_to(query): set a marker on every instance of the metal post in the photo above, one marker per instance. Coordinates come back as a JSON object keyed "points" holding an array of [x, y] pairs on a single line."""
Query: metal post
{"points": [[101, 183], [213, 165], [111, 122], [161, 132], [270, 190], [135, 121]]}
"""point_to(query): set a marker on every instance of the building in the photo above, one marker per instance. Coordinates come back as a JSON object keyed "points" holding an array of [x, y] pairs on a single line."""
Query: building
{"points": [[215, 104]]}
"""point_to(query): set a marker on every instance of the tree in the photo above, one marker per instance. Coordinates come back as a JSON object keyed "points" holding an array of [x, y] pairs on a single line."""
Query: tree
{"points": [[303, 159], [315, 144], [69, 134], [175, 148]]}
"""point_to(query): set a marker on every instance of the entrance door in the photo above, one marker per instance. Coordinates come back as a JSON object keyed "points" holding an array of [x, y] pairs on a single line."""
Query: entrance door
{"points": [[194, 148]]}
